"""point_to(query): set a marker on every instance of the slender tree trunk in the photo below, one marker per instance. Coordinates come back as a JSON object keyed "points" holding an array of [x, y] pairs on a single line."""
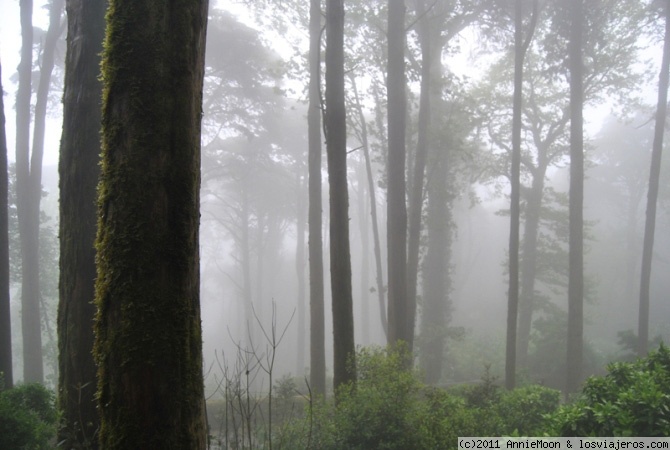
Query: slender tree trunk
{"points": [[300, 271], [520, 48], [78, 172], [434, 317], [416, 187], [315, 240], [528, 266], [33, 370], [148, 334], [373, 209], [336, 141], [398, 329], [576, 242], [515, 197], [365, 255], [6, 370], [652, 193]]}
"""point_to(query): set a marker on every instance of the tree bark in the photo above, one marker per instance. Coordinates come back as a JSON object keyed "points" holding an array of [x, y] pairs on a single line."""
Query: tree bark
{"points": [[148, 334], [398, 329], [6, 370], [78, 173], [336, 140], [576, 241], [652, 193], [315, 240]]}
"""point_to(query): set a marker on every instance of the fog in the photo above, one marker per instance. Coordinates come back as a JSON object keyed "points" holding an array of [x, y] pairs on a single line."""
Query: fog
{"points": [[254, 199]]}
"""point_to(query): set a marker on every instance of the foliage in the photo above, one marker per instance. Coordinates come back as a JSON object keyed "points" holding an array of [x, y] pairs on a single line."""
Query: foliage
{"points": [[633, 399], [390, 408], [27, 418]]}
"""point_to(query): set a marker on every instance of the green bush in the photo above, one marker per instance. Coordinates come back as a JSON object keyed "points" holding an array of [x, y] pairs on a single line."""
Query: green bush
{"points": [[389, 408], [633, 399], [27, 418]]}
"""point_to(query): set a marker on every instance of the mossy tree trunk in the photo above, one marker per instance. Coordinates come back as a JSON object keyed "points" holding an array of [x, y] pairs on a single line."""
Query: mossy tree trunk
{"points": [[148, 333], [6, 372], [78, 172], [336, 145]]}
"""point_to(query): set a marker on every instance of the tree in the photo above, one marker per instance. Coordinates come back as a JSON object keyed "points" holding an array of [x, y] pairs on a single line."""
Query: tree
{"points": [[29, 177], [652, 193], [336, 146], [576, 241], [396, 236], [611, 44], [78, 173], [315, 241], [426, 39], [148, 337], [6, 372], [362, 127], [520, 48]]}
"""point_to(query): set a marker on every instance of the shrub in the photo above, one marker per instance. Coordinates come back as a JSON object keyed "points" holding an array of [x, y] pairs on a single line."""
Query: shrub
{"points": [[27, 418], [633, 399], [389, 408]]}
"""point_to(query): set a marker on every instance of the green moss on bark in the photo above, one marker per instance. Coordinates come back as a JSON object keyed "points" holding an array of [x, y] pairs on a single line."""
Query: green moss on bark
{"points": [[148, 326]]}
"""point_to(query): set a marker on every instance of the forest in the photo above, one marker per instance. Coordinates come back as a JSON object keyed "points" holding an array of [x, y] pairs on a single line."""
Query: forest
{"points": [[362, 224]]}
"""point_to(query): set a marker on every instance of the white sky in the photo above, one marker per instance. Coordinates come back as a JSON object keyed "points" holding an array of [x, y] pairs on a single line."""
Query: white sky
{"points": [[10, 46]]}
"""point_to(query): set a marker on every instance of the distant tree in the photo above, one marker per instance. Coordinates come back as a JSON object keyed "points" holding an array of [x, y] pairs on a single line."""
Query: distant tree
{"points": [[520, 48], [396, 215], [78, 173], [416, 189], [336, 141], [29, 178], [611, 45], [6, 372], [652, 193], [362, 130], [576, 241], [148, 334], [315, 241]]}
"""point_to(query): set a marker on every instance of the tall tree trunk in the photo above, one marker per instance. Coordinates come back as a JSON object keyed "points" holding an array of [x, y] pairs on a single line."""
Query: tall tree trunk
{"points": [[434, 317], [398, 329], [78, 172], [576, 242], [336, 142], [416, 187], [373, 209], [528, 264], [300, 271], [652, 193], [364, 324], [6, 370], [33, 370], [520, 48], [315, 240], [148, 334]]}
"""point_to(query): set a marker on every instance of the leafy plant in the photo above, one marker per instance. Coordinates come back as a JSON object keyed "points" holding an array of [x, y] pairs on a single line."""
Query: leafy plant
{"points": [[633, 399], [27, 418]]}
